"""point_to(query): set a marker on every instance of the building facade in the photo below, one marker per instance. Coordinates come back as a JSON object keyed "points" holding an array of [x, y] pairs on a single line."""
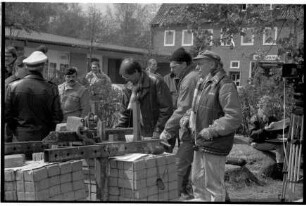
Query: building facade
{"points": [[239, 55]]}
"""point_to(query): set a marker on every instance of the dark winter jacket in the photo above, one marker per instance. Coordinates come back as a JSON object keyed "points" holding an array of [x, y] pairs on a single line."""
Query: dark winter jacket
{"points": [[155, 105], [32, 107], [218, 109]]}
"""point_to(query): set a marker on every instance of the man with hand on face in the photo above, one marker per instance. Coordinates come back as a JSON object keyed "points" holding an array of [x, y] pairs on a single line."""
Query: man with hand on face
{"points": [[213, 118], [152, 67], [181, 65], [74, 96], [153, 96]]}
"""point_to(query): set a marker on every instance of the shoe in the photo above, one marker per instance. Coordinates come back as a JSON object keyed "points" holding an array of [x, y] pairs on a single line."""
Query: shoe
{"points": [[185, 196]]}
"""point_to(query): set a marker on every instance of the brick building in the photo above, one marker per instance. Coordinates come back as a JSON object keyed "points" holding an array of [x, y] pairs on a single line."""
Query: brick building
{"points": [[239, 56]]}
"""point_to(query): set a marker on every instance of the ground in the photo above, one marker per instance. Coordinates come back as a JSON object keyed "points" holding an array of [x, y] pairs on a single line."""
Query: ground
{"points": [[246, 184]]}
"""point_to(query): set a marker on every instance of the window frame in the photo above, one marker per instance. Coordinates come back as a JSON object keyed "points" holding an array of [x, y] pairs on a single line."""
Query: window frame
{"points": [[264, 38], [235, 81], [165, 35], [222, 43], [183, 36], [249, 43], [233, 61]]}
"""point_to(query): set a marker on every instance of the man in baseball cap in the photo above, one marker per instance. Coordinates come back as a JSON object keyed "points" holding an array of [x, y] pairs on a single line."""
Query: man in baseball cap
{"points": [[215, 115], [32, 104], [205, 57]]}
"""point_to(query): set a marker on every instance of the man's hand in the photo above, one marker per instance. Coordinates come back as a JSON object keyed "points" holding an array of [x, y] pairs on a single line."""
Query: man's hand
{"points": [[205, 134], [165, 136], [184, 121], [155, 135]]}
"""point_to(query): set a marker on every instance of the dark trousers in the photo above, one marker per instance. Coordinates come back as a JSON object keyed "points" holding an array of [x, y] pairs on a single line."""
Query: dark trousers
{"points": [[184, 158]]}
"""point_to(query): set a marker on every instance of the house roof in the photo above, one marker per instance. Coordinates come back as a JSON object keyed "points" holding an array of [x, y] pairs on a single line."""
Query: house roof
{"points": [[68, 41], [173, 14], [170, 14]]}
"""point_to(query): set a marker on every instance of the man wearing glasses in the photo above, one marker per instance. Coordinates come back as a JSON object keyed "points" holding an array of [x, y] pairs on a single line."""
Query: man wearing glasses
{"points": [[153, 95], [180, 64]]}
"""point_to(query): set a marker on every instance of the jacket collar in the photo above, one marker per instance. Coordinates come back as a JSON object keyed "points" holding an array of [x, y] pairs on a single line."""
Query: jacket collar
{"points": [[185, 72], [216, 78], [35, 75]]}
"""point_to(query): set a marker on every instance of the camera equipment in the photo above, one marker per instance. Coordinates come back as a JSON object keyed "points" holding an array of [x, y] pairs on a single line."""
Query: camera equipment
{"points": [[293, 73]]}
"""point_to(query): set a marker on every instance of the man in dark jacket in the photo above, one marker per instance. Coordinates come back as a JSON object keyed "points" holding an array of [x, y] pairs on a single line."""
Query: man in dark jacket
{"points": [[180, 64], [153, 95], [32, 104]]}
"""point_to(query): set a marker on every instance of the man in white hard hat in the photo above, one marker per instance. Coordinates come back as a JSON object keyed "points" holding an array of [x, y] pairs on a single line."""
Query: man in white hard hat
{"points": [[32, 104]]}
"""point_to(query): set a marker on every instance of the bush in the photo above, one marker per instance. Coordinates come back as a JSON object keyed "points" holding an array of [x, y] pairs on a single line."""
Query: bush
{"points": [[265, 83]]}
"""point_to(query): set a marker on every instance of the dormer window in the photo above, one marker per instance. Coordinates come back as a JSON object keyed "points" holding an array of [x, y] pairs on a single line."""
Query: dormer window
{"points": [[169, 38], [248, 37], [244, 7], [270, 36], [187, 38]]}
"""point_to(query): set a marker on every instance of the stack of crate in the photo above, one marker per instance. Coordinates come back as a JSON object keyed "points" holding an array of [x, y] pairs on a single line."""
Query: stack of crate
{"points": [[46, 181], [137, 180], [89, 171], [10, 186]]}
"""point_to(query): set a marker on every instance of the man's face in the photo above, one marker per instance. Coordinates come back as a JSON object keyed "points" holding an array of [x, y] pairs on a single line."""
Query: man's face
{"points": [[8, 58], [204, 66], [177, 68], [95, 68], [153, 67], [71, 79], [131, 77]]}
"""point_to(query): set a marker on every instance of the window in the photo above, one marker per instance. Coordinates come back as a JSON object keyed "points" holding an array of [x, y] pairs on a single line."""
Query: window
{"points": [[270, 36], [235, 76], [248, 38], [209, 32], [244, 7], [51, 71], [169, 38], [187, 38], [235, 64], [226, 39], [268, 6], [253, 65]]}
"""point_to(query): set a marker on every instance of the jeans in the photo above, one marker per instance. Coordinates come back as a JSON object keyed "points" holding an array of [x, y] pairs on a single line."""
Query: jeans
{"points": [[208, 177]]}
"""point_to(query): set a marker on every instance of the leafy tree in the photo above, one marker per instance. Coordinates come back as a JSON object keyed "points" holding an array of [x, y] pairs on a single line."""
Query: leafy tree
{"points": [[232, 20], [128, 24], [29, 16], [69, 21]]}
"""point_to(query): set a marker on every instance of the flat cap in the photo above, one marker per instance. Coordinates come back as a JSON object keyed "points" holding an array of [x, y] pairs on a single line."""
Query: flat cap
{"points": [[37, 57], [207, 55]]}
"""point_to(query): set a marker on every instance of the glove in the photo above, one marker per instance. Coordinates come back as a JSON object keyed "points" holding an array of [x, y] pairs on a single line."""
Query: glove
{"points": [[155, 135], [205, 135], [184, 122], [165, 136]]}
